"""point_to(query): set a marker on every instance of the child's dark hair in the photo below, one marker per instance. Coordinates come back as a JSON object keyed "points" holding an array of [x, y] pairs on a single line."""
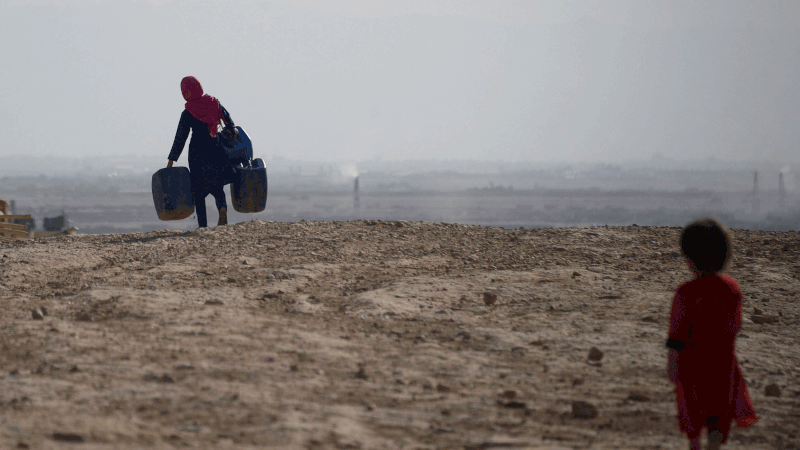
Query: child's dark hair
{"points": [[707, 243]]}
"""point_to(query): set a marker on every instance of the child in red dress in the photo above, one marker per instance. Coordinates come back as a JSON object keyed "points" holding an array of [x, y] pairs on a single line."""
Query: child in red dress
{"points": [[706, 317]]}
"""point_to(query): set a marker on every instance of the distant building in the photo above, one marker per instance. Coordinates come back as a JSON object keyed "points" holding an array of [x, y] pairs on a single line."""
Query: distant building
{"points": [[55, 223], [30, 223]]}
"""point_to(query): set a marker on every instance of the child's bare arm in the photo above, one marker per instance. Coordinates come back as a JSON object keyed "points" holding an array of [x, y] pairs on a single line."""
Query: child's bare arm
{"points": [[672, 366]]}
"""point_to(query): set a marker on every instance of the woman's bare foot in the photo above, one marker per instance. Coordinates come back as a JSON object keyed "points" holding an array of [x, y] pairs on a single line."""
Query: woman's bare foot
{"points": [[223, 217]]}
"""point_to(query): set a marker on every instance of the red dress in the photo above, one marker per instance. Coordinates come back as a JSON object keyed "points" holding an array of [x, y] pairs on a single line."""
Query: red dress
{"points": [[706, 317]]}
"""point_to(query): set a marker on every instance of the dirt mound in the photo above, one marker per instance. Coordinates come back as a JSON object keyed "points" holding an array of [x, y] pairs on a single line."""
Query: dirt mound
{"points": [[372, 334]]}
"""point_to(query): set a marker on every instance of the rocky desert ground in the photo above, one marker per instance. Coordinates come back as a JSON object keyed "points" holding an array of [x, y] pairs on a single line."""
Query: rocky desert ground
{"points": [[373, 335]]}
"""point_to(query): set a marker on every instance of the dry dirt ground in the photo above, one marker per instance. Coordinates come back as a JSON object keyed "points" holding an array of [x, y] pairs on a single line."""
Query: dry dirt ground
{"points": [[372, 335]]}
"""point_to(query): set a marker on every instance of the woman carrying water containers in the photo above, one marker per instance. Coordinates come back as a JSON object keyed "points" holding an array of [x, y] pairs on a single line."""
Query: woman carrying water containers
{"points": [[209, 166]]}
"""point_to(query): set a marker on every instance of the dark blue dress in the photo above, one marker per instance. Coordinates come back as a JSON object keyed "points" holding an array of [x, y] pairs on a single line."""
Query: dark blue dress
{"points": [[208, 164]]}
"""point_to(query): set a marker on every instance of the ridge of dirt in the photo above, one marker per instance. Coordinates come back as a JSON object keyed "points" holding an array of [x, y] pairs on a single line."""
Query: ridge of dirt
{"points": [[372, 334]]}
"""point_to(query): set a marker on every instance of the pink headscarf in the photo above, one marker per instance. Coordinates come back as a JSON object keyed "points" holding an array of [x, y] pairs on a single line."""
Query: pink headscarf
{"points": [[203, 107]]}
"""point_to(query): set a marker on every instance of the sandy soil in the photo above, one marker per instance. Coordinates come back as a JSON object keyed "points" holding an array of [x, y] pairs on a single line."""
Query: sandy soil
{"points": [[371, 335]]}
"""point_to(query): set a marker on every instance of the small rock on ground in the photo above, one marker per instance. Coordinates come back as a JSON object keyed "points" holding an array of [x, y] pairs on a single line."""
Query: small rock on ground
{"points": [[583, 410], [772, 390], [68, 437], [761, 319]]}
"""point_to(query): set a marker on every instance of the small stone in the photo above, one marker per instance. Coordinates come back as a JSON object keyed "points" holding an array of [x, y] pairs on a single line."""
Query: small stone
{"points": [[442, 388], [575, 274], [214, 302], [37, 314], [74, 369], [595, 354], [68, 437], [760, 319], [649, 319], [583, 410], [509, 394], [166, 379], [638, 397], [772, 390], [515, 405], [83, 316], [21, 444], [361, 373], [674, 254], [489, 298], [757, 311]]}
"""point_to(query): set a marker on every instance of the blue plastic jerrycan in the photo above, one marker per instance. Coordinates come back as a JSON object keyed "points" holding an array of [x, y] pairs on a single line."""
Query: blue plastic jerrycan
{"points": [[172, 193], [249, 190], [237, 148]]}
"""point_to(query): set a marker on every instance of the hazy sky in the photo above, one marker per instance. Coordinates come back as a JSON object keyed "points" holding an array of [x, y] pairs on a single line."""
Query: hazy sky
{"points": [[363, 79]]}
